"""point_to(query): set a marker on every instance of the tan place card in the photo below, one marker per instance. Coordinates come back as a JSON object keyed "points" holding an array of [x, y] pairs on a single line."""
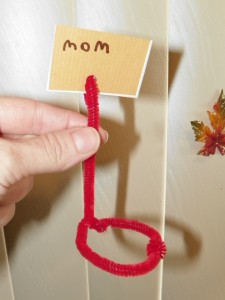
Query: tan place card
{"points": [[117, 61]]}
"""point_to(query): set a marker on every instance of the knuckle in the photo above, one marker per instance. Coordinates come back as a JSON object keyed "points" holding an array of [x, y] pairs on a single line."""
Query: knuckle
{"points": [[7, 212], [12, 163], [54, 148]]}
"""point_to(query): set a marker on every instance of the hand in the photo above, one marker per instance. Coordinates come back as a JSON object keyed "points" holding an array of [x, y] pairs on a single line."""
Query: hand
{"points": [[38, 138]]}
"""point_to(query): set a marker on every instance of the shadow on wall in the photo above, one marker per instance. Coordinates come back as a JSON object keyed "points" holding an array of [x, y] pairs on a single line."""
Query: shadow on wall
{"points": [[155, 74], [180, 259], [155, 78], [191, 241], [125, 135], [126, 138], [175, 56]]}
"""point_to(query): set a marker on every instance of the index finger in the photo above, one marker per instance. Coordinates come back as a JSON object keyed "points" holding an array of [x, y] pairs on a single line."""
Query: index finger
{"points": [[26, 116]]}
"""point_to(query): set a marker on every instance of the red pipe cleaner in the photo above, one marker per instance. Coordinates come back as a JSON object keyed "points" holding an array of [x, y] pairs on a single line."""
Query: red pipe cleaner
{"points": [[155, 249]]}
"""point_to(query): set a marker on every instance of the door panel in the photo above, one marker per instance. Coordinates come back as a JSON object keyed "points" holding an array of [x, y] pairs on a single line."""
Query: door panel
{"points": [[131, 167], [6, 291]]}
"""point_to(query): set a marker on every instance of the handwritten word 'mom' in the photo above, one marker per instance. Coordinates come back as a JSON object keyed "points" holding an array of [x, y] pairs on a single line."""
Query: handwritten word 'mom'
{"points": [[85, 46]]}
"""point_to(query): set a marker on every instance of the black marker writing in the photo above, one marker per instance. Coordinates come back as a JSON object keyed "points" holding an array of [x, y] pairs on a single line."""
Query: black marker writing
{"points": [[85, 46]]}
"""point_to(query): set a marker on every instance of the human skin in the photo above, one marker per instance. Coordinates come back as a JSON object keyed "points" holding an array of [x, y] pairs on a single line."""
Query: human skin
{"points": [[38, 138]]}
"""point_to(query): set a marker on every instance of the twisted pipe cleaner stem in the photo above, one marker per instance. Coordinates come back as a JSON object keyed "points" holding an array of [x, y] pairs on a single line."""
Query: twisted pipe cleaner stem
{"points": [[91, 101]]}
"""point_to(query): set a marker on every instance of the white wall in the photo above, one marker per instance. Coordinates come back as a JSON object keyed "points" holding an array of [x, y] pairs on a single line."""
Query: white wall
{"points": [[194, 266]]}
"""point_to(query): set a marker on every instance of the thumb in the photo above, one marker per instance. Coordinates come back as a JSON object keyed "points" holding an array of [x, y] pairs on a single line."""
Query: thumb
{"points": [[55, 151]]}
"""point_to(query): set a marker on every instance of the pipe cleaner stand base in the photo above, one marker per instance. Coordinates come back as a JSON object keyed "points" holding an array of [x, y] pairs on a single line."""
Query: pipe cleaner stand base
{"points": [[155, 249]]}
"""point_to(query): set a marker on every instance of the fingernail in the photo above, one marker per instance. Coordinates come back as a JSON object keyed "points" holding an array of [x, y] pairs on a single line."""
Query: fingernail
{"points": [[86, 140], [103, 135], [106, 137]]}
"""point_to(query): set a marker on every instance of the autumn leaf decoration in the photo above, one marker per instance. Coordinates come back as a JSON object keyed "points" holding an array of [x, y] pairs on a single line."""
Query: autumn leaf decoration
{"points": [[212, 138]]}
